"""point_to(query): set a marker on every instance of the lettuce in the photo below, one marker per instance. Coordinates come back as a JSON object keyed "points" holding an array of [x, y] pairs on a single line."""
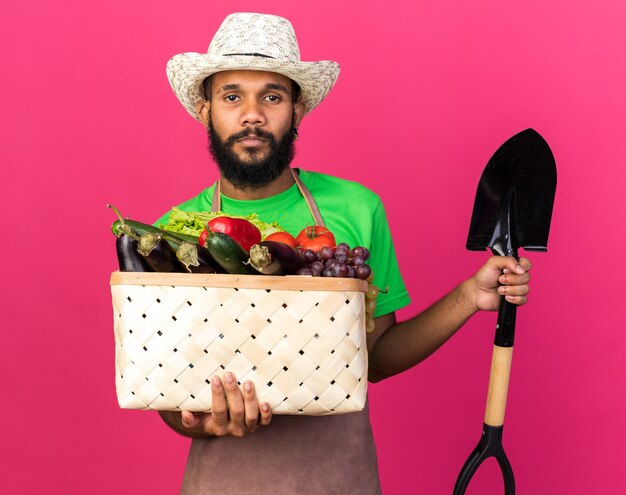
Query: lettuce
{"points": [[193, 222]]}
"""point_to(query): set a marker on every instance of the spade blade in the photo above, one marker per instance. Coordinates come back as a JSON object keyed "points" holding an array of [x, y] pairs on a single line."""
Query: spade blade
{"points": [[514, 199]]}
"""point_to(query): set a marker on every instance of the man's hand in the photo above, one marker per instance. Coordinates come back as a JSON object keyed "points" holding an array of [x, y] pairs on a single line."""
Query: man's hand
{"points": [[500, 276], [234, 412]]}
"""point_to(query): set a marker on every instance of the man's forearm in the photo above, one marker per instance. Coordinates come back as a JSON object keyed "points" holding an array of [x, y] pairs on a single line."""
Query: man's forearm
{"points": [[407, 343], [174, 420]]}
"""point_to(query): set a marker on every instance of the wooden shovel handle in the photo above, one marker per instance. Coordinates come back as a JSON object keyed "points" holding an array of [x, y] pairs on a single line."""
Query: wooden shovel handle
{"points": [[498, 385]]}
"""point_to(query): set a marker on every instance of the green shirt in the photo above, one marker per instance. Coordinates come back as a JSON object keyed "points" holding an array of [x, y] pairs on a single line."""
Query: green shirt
{"points": [[352, 212]]}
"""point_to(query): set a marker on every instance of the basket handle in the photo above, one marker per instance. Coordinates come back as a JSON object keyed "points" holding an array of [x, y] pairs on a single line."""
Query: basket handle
{"points": [[216, 204]]}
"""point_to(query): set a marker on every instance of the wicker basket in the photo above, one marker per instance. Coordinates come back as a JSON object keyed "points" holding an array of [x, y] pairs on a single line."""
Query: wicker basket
{"points": [[300, 340]]}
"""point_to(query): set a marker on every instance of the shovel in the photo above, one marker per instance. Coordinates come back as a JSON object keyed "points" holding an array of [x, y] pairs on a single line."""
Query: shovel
{"points": [[512, 209]]}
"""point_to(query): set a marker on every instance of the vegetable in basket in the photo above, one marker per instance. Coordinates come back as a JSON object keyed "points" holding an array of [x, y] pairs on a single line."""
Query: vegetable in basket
{"points": [[174, 239], [229, 254], [126, 246], [276, 258], [197, 259], [243, 232], [158, 253], [194, 222], [315, 237]]}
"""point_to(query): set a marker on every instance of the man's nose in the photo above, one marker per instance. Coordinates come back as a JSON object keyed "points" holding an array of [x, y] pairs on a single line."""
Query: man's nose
{"points": [[252, 113]]}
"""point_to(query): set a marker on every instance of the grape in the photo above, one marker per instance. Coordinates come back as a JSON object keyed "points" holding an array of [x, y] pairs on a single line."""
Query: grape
{"points": [[305, 271], [341, 258], [343, 246], [328, 273], [361, 252], [370, 306], [317, 266], [309, 255], [370, 325], [326, 253], [357, 260], [363, 271], [351, 271], [340, 270], [372, 292], [341, 250], [330, 263]]}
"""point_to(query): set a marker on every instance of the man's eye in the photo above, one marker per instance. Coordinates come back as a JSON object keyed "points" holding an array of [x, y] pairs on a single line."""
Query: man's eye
{"points": [[273, 97], [231, 98]]}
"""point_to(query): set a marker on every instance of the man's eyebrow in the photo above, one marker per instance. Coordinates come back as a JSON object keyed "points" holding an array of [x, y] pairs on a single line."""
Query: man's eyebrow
{"points": [[229, 87], [274, 86], [277, 87]]}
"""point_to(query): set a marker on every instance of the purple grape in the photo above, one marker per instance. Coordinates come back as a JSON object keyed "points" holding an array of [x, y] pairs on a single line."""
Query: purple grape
{"points": [[340, 270], [330, 263], [341, 258], [341, 250], [326, 253], [328, 273], [363, 271], [357, 260], [361, 252], [317, 266], [351, 271], [309, 255], [343, 246], [305, 271]]}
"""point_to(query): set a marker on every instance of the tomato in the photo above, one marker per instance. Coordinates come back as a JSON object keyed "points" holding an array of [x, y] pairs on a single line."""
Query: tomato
{"points": [[315, 238], [284, 237]]}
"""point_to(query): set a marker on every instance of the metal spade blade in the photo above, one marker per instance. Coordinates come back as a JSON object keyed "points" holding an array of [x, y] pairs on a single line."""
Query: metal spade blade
{"points": [[514, 199]]}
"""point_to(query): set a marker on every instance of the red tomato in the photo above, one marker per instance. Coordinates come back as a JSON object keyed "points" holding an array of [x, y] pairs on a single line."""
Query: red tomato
{"points": [[284, 237], [315, 238]]}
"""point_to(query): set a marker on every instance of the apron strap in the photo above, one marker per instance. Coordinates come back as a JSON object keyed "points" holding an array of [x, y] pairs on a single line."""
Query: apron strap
{"points": [[216, 204]]}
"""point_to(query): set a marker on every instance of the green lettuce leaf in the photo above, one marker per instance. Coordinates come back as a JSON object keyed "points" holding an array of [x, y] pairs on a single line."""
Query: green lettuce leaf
{"points": [[193, 222]]}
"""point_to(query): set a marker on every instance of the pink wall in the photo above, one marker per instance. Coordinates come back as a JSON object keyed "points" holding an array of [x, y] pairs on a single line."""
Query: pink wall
{"points": [[428, 91]]}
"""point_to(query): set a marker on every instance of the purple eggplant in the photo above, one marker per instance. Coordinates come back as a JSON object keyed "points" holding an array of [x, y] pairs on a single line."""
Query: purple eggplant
{"points": [[275, 258], [126, 246], [128, 257], [159, 254], [197, 259]]}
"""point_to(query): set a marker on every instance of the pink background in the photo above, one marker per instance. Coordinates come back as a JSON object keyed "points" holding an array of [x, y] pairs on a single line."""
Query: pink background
{"points": [[427, 93]]}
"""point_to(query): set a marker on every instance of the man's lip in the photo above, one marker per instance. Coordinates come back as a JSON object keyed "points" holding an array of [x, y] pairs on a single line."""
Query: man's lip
{"points": [[251, 141], [251, 137]]}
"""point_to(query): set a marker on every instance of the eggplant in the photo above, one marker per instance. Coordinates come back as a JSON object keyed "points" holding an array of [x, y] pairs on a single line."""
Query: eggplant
{"points": [[275, 258], [128, 257], [197, 259], [159, 254]]}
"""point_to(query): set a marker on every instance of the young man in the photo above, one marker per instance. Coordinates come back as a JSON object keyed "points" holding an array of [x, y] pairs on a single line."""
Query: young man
{"points": [[251, 92]]}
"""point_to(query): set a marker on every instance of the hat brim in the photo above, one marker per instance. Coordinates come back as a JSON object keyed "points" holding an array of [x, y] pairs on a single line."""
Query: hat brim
{"points": [[187, 71]]}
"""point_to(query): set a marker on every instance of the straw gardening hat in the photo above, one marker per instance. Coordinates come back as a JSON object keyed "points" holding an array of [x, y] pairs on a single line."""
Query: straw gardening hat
{"points": [[248, 41]]}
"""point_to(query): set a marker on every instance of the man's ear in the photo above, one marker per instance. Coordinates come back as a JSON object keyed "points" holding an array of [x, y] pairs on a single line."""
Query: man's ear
{"points": [[298, 113], [203, 109]]}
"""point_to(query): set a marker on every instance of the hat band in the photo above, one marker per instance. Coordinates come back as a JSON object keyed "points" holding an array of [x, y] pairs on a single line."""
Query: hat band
{"points": [[247, 55]]}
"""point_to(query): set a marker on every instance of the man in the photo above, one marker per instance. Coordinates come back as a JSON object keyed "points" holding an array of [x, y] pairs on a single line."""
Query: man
{"points": [[251, 91]]}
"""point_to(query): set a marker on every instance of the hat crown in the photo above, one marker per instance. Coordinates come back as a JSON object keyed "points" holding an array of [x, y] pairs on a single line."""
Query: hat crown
{"points": [[258, 34]]}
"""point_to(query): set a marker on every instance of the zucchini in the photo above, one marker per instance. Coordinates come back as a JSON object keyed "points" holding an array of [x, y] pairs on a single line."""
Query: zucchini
{"points": [[229, 254], [174, 239]]}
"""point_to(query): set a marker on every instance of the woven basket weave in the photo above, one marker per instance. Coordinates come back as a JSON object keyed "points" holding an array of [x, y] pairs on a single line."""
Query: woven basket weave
{"points": [[300, 340]]}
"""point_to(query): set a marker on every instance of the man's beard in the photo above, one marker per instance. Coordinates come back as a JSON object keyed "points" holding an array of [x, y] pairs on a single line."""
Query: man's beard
{"points": [[257, 172]]}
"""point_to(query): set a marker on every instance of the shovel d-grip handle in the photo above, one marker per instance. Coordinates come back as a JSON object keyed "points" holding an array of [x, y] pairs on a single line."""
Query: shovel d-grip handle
{"points": [[490, 444]]}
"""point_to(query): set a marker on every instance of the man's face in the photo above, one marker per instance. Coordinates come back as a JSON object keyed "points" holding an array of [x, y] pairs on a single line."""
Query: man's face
{"points": [[251, 119]]}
